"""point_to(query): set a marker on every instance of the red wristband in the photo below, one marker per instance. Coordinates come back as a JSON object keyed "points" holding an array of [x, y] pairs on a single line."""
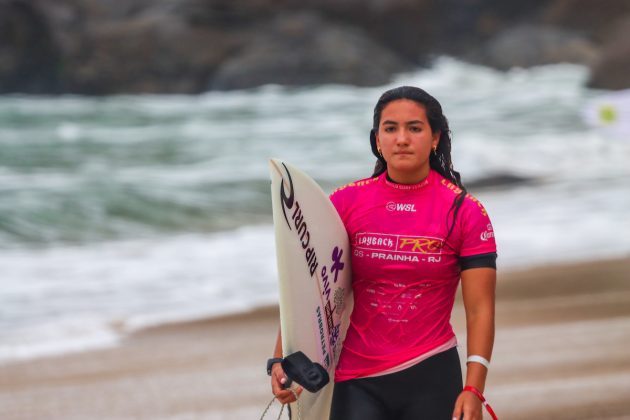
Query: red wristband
{"points": [[483, 400]]}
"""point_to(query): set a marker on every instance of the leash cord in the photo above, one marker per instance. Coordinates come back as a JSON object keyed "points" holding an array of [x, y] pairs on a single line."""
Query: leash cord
{"points": [[282, 408]]}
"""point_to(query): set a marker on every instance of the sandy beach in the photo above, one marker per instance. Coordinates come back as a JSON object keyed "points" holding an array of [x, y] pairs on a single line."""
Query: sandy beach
{"points": [[561, 352]]}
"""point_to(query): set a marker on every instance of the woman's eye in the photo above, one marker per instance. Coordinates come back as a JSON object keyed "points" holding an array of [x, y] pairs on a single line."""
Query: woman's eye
{"points": [[415, 129], [389, 129]]}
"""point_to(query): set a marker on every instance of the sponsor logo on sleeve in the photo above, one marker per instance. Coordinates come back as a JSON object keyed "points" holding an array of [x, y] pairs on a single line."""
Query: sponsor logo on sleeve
{"points": [[487, 234]]}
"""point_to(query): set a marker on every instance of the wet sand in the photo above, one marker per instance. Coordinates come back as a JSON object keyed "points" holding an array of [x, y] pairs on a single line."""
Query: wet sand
{"points": [[561, 352]]}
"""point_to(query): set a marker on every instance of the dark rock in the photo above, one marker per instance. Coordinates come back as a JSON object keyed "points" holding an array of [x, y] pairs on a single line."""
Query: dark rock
{"points": [[529, 45], [148, 54], [612, 71], [222, 13], [498, 181], [134, 46], [419, 29], [594, 18], [303, 49], [29, 58]]}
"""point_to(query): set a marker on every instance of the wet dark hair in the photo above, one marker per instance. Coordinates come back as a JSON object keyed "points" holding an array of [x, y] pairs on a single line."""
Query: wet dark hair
{"points": [[440, 160]]}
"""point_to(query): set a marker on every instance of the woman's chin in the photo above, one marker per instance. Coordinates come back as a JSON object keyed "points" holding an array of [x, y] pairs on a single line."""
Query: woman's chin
{"points": [[405, 166], [407, 171]]}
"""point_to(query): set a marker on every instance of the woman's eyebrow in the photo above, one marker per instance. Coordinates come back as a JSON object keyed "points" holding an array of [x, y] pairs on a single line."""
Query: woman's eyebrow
{"points": [[408, 122]]}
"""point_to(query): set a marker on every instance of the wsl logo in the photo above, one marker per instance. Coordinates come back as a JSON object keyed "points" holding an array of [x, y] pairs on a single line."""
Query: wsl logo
{"points": [[391, 206]]}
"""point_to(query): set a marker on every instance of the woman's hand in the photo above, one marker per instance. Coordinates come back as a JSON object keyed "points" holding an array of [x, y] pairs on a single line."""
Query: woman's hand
{"points": [[278, 379], [467, 407]]}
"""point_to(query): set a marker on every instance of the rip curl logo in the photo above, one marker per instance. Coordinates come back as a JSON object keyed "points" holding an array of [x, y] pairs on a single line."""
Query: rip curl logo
{"points": [[391, 206], [287, 199], [302, 230], [420, 245]]}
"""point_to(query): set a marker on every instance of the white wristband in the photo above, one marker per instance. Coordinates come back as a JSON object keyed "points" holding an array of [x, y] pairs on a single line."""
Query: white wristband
{"points": [[478, 359]]}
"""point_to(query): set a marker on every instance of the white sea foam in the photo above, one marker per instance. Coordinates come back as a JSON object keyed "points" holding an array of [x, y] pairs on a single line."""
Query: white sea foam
{"points": [[74, 298], [57, 336], [135, 284]]}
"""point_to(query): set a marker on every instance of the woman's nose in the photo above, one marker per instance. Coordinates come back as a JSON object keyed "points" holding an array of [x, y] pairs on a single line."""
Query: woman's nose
{"points": [[402, 137]]}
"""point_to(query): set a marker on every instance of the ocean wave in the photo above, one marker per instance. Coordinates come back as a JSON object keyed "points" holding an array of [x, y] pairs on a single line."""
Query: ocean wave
{"points": [[131, 211]]}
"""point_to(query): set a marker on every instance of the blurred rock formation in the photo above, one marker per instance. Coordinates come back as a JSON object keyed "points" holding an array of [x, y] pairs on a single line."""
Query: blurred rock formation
{"points": [[189, 46]]}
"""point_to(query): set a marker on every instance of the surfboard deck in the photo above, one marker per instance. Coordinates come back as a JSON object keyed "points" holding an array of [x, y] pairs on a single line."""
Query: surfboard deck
{"points": [[313, 256]]}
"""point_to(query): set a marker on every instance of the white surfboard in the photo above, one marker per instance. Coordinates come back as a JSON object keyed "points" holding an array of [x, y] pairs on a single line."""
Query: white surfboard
{"points": [[313, 255]]}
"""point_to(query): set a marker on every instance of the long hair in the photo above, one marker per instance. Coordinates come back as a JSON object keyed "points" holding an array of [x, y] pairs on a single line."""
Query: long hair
{"points": [[440, 160]]}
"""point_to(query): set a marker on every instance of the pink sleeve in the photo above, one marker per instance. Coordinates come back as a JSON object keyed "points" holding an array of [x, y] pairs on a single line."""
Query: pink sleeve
{"points": [[477, 235], [337, 199]]}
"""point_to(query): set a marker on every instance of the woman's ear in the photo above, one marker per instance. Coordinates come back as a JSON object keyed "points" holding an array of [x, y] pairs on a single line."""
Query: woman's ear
{"points": [[436, 139]]}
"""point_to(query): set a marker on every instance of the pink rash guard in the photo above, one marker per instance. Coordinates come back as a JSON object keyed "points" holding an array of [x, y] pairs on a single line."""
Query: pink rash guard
{"points": [[404, 277]]}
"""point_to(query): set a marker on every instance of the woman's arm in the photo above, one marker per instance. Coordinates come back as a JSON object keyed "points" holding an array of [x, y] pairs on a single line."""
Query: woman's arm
{"points": [[278, 378], [478, 290]]}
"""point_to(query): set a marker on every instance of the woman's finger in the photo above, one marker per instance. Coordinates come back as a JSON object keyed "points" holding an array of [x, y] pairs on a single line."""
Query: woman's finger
{"points": [[286, 396], [471, 406], [458, 411]]}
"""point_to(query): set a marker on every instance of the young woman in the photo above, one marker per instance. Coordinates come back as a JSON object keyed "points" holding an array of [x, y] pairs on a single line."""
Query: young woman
{"points": [[414, 232]]}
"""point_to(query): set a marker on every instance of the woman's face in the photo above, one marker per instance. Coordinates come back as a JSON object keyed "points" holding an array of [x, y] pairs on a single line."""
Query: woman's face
{"points": [[406, 140]]}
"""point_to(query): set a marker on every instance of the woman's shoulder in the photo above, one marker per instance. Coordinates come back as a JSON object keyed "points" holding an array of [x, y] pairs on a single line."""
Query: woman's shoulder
{"points": [[470, 201], [354, 187]]}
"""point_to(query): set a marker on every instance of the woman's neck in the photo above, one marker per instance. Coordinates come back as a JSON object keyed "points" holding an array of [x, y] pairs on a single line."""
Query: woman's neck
{"points": [[407, 178]]}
